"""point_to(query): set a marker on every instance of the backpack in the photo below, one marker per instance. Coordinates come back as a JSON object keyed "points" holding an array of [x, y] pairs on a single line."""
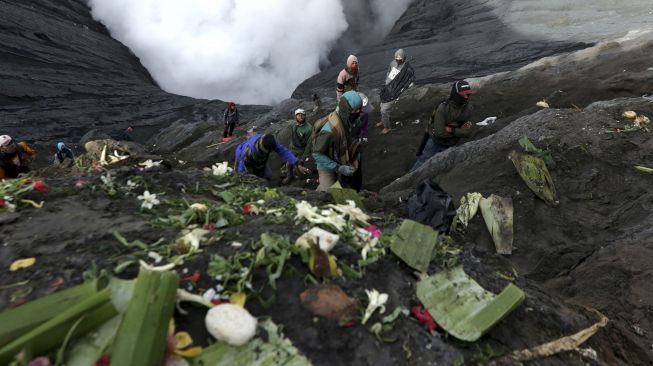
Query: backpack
{"points": [[431, 205]]}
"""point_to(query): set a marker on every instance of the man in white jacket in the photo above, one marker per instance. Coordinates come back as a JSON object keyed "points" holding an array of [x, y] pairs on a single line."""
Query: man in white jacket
{"points": [[400, 75]]}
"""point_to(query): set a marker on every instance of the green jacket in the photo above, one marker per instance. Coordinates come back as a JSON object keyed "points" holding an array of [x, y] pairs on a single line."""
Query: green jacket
{"points": [[452, 115], [301, 139]]}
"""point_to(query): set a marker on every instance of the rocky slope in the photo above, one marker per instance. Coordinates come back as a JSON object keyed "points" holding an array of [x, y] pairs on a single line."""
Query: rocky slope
{"points": [[452, 39]]}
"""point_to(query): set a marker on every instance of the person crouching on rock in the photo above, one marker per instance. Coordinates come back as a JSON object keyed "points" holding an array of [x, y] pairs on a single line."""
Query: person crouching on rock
{"points": [[15, 158], [448, 123], [63, 153], [333, 148], [253, 154], [301, 143], [348, 78], [230, 117]]}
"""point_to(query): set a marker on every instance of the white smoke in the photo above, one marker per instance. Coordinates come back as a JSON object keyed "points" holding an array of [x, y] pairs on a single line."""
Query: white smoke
{"points": [[248, 51]]}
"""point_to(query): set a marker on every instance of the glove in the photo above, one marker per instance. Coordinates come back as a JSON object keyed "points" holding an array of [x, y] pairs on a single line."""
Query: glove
{"points": [[346, 170]]}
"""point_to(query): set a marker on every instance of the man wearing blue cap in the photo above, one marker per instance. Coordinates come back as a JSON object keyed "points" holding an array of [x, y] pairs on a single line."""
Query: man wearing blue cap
{"points": [[63, 153]]}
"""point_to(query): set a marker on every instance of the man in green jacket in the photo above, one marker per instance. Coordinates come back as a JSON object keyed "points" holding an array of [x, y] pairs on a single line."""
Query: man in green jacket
{"points": [[301, 143], [448, 123]]}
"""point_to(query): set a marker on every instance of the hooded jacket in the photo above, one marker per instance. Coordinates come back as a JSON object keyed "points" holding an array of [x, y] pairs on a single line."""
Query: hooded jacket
{"points": [[252, 156], [15, 160], [332, 144], [348, 78], [453, 113], [230, 116]]}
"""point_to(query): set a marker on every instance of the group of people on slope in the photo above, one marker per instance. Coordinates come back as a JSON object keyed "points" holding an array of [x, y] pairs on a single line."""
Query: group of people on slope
{"points": [[16, 157], [335, 141]]}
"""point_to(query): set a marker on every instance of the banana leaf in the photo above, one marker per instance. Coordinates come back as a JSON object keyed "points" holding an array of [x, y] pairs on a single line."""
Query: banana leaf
{"points": [[414, 243], [342, 195], [462, 307], [535, 174], [277, 350], [498, 213], [24, 318]]}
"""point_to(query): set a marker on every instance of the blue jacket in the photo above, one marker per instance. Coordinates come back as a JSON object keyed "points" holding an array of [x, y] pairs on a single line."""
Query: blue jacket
{"points": [[252, 156]]}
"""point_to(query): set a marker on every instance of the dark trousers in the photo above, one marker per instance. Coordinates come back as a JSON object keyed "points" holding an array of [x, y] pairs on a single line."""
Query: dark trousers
{"points": [[229, 129], [431, 149]]}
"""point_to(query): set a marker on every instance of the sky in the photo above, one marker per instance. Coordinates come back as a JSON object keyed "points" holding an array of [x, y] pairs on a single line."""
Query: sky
{"points": [[247, 51]]}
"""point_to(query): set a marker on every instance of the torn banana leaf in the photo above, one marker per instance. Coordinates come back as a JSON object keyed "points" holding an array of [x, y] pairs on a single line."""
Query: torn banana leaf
{"points": [[414, 243], [342, 195], [468, 207], [277, 350], [498, 213], [528, 147], [462, 307], [88, 349], [24, 318], [535, 174]]}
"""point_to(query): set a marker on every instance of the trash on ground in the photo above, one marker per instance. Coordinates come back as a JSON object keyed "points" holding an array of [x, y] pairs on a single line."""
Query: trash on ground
{"points": [[542, 104], [324, 239], [644, 169], [498, 215], [563, 344], [532, 169], [231, 323], [328, 301], [630, 114], [22, 263], [468, 207], [462, 307], [486, 122], [431, 205]]}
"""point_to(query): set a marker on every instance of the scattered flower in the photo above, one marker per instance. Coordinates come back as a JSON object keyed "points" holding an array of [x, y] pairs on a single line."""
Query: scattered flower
{"points": [[377, 300], [424, 317], [2, 202], [352, 211], [374, 231], [155, 256], [107, 179], [221, 169], [251, 209], [40, 361], [200, 207], [236, 245], [22, 263], [131, 184], [210, 227], [148, 164], [149, 200], [191, 239], [40, 186], [195, 277], [209, 295], [80, 183], [308, 212], [105, 360]]}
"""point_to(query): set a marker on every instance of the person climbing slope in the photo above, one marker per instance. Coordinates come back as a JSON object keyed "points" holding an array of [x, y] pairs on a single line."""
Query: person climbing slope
{"points": [[253, 154], [63, 153], [230, 117], [448, 123], [399, 77], [15, 158], [301, 143], [333, 148]]}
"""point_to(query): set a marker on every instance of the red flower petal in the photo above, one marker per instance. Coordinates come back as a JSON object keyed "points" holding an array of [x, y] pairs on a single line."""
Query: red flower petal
{"points": [[195, 277], [105, 360], [424, 317], [40, 186], [247, 208]]}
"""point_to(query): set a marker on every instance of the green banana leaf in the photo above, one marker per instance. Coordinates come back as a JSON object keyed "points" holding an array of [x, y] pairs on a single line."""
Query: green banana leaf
{"points": [[414, 243], [535, 174], [277, 350], [498, 213], [342, 195], [462, 307]]}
